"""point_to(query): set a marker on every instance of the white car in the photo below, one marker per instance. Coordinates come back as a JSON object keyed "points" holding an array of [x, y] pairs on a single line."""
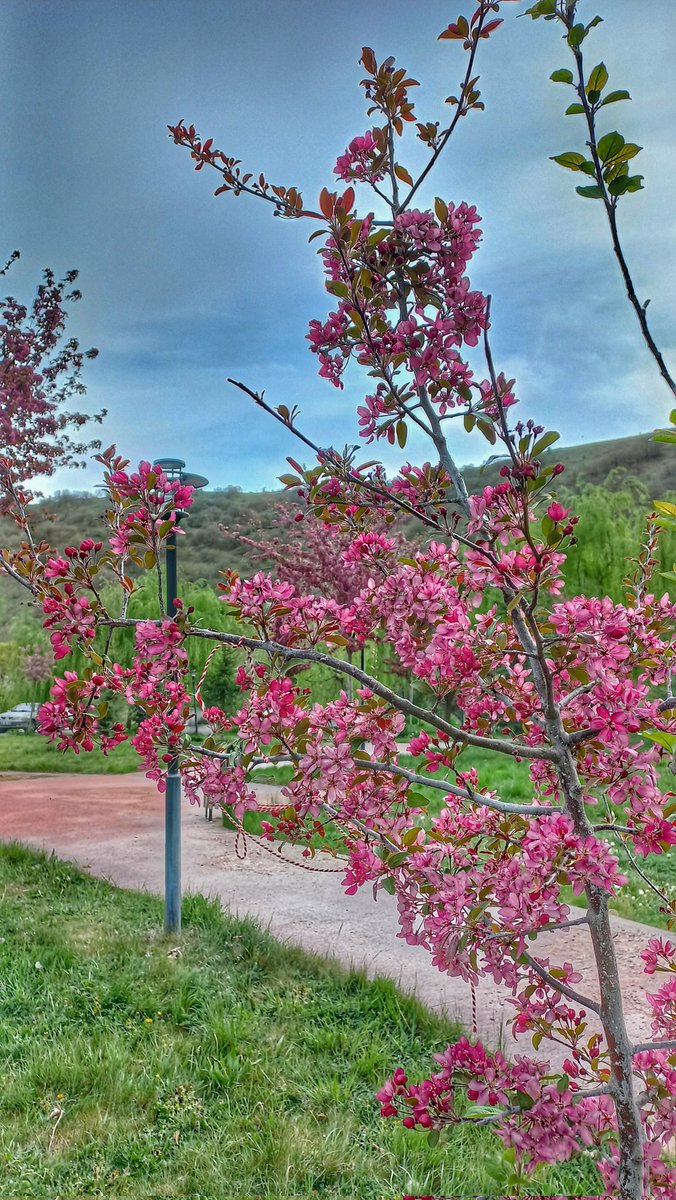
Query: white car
{"points": [[21, 717]]}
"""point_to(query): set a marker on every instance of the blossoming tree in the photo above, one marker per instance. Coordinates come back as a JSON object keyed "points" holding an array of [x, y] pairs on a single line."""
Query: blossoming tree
{"points": [[39, 373], [579, 690]]}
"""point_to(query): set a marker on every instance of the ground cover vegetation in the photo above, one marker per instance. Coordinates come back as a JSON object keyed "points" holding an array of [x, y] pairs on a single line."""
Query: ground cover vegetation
{"points": [[237, 1067], [28, 752], [579, 688]]}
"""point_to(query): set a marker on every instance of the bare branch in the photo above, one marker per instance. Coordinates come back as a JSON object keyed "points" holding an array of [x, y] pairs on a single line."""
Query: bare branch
{"points": [[642, 1046], [305, 654], [459, 112], [563, 988], [510, 933], [451, 789]]}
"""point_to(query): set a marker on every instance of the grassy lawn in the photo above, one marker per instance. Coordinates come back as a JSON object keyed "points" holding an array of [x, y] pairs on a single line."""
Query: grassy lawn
{"points": [[238, 1068], [31, 752]]}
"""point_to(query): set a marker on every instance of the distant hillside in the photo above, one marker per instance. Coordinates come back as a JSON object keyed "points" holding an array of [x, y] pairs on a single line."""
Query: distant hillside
{"points": [[204, 551], [654, 463]]}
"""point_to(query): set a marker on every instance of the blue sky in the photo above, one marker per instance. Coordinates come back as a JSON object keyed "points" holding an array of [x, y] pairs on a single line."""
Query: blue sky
{"points": [[181, 289]]}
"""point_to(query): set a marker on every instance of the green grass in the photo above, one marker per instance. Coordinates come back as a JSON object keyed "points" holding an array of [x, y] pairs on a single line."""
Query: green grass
{"points": [[240, 1068], [31, 752]]}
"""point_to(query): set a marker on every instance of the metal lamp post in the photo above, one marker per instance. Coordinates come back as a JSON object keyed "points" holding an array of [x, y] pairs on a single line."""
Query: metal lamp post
{"points": [[174, 468]]}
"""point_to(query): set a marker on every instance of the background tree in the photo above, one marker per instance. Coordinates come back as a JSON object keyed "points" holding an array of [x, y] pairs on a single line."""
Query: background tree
{"points": [[40, 372]]}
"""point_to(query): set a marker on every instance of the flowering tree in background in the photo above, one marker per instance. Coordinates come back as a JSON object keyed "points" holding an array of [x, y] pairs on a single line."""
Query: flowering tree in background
{"points": [[38, 665], [39, 374], [316, 556], [308, 554], [580, 690]]}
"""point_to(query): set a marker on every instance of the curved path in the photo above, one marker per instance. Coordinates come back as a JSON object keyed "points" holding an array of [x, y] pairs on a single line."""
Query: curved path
{"points": [[113, 826]]}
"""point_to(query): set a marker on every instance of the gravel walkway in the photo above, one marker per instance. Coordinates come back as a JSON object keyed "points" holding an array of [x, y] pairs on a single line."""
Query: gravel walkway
{"points": [[112, 825]]}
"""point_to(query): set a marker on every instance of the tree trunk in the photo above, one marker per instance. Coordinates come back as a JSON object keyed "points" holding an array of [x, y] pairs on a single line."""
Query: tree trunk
{"points": [[629, 1127]]}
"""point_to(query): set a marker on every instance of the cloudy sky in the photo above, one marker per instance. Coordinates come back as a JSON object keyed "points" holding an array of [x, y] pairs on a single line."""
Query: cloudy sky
{"points": [[181, 290]]}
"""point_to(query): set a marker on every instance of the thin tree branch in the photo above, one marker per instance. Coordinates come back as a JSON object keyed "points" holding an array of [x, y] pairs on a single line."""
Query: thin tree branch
{"points": [[451, 789], [459, 112], [558, 986], [510, 933], [642, 1046], [610, 205], [453, 732]]}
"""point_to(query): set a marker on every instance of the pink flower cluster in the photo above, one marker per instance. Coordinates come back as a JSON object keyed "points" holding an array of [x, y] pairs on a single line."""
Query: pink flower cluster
{"points": [[421, 348], [365, 159], [159, 738], [72, 717], [70, 618], [542, 1122], [161, 656], [146, 502]]}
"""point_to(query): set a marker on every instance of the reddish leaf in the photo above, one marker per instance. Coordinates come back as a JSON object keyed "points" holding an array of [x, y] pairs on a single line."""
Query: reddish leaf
{"points": [[326, 203]]}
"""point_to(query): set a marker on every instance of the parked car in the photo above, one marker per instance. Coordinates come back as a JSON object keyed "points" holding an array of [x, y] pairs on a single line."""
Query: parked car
{"points": [[21, 717]]}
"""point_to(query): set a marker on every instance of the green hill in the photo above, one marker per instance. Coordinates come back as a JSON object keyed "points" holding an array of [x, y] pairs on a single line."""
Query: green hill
{"points": [[68, 517]]}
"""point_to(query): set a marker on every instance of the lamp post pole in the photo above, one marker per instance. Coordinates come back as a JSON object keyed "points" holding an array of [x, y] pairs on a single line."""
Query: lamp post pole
{"points": [[175, 469], [172, 800]]}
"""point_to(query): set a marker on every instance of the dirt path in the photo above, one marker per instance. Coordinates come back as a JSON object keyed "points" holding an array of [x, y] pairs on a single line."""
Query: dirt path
{"points": [[112, 825]]}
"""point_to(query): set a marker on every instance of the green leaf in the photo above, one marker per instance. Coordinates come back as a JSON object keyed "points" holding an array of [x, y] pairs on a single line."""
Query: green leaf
{"points": [[629, 150], [545, 442], [573, 110], [402, 434], [613, 97], [337, 288], [396, 859], [544, 8], [666, 740], [610, 145], [433, 1137], [591, 193], [481, 1110], [614, 170], [562, 1083], [388, 885], [598, 79], [522, 1099], [570, 159], [563, 75], [617, 187], [416, 799], [576, 36], [486, 427]]}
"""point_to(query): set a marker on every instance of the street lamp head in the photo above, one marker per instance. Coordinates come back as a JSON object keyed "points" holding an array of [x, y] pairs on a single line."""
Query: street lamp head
{"points": [[196, 481], [174, 468]]}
